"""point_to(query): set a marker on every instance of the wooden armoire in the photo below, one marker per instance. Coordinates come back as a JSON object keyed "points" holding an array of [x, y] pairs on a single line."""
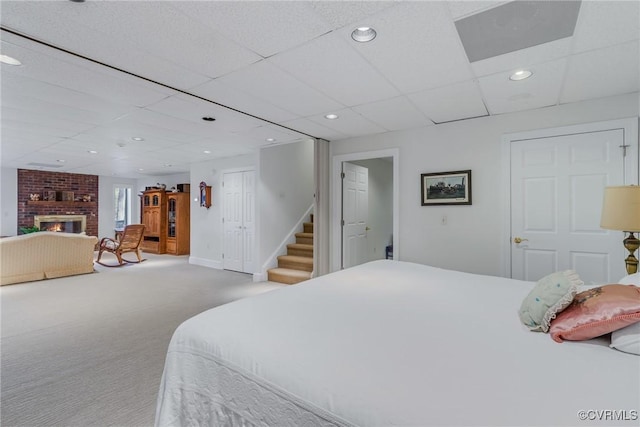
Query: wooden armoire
{"points": [[166, 217]]}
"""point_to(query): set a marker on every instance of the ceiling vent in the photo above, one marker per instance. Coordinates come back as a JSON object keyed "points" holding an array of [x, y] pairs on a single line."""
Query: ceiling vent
{"points": [[44, 165], [516, 25]]}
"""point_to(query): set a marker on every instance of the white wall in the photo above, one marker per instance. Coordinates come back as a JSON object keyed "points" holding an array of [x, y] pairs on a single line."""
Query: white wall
{"points": [[8, 202], [168, 180], [206, 224], [380, 206], [471, 240], [285, 192], [106, 203]]}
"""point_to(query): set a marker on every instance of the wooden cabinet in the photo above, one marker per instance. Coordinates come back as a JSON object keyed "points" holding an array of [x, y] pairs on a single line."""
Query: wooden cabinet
{"points": [[166, 217], [178, 223], [154, 217]]}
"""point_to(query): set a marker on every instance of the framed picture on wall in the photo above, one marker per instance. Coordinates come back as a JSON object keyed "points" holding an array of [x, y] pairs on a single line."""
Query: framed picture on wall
{"points": [[446, 188]]}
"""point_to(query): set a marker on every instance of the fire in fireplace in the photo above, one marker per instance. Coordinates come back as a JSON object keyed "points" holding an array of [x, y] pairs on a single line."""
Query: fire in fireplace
{"points": [[61, 223]]}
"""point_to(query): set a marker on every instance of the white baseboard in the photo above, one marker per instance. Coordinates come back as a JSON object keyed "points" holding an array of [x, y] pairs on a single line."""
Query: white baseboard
{"points": [[205, 262], [259, 277]]}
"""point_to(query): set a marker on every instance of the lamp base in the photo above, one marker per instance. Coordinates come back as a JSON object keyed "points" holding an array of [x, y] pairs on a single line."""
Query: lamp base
{"points": [[632, 244]]}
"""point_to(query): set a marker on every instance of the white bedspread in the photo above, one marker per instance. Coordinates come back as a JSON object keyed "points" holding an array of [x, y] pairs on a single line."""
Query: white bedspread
{"points": [[389, 344]]}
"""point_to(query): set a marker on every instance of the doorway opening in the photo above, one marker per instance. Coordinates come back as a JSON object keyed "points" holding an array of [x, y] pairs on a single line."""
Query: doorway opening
{"points": [[365, 221], [122, 206]]}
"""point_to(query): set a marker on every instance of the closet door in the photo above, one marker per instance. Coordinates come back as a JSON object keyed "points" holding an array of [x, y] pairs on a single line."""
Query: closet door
{"points": [[239, 221]]}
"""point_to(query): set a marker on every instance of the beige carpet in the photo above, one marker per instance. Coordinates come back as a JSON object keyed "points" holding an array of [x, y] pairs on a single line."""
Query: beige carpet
{"points": [[89, 350]]}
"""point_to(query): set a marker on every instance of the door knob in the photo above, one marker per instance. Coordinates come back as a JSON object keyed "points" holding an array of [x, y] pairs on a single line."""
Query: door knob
{"points": [[367, 229], [517, 240]]}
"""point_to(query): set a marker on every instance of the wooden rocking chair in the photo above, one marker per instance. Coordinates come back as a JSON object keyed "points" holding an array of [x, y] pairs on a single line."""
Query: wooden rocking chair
{"points": [[128, 242]]}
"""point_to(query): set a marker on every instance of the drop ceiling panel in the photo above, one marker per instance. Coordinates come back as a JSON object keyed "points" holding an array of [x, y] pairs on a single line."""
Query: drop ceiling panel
{"points": [[146, 123], [128, 128], [15, 87], [350, 123], [606, 23], [272, 84], [316, 129], [192, 110], [258, 136], [85, 79], [524, 58], [41, 110], [100, 29], [541, 90], [393, 114], [253, 26], [215, 91], [460, 9], [417, 47], [340, 13], [20, 122], [354, 82], [603, 72], [455, 102]]}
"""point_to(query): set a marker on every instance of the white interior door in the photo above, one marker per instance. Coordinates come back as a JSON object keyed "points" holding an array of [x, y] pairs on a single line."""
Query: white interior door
{"points": [[239, 221], [355, 212], [557, 186], [248, 221]]}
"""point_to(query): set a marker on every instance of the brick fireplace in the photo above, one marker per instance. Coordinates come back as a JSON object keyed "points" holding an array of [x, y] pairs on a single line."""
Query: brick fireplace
{"points": [[59, 194]]}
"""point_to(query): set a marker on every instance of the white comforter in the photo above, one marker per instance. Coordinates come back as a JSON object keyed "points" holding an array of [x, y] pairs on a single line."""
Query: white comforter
{"points": [[389, 344]]}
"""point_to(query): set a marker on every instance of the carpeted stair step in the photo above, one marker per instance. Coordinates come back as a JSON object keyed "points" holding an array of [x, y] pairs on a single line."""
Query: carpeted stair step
{"points": [[288, 276], [304, 238], [307, 227], [300, 249], [295, 262]]}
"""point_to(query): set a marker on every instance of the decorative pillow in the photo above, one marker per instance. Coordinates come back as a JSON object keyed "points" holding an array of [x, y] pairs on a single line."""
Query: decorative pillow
{"points": [[632, 279], [627, 339], [596, 312], [550, 296]]}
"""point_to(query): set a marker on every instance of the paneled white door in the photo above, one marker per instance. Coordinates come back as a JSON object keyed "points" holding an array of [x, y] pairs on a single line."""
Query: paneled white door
{"points": [[355, 214], [239, 221], [557, 186]]}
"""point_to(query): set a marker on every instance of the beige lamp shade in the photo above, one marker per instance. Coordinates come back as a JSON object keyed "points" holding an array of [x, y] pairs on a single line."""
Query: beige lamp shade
{"points": [[621, 208]]}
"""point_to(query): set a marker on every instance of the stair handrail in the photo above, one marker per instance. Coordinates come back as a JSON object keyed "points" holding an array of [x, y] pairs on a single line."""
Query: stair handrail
{"points": [[272, 261]]}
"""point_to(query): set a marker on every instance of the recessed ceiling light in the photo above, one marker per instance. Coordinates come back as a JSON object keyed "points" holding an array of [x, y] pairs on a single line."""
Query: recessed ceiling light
{"points": [[167, 165], [5, 59], [331, 116], [92, 152], [137, 138], [520, 75], [207, 151], [208, 119], [270, 139], [61, 160], [363, 34], [140, 169]]}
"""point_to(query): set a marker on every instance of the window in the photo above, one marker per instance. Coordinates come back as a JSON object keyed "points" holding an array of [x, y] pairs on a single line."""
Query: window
{"points": [[122, 203]]}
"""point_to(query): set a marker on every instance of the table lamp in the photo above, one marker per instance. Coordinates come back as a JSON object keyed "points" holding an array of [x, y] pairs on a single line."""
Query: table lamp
{"points": [[621, 211]]}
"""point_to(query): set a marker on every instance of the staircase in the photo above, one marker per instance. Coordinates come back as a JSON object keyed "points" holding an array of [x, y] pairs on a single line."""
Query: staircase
{"points": [[297, 265]]}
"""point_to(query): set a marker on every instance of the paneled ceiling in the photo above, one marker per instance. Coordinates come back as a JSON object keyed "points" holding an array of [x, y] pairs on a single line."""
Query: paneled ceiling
{"points": [[96, 74]]}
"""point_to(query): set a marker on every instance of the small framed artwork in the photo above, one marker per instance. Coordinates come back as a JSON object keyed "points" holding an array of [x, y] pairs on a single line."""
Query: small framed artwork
{"points": [[446, 188]]}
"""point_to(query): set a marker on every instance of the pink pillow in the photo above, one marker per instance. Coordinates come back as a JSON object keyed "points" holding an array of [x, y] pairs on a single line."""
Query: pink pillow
{"points": [[596, 312]]}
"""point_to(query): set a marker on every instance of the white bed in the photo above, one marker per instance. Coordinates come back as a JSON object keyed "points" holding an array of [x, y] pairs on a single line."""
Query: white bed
{"points": [[388, 344]]}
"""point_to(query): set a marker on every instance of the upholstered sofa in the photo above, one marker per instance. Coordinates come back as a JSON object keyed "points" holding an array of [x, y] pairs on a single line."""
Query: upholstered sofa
{"points": [[45, 255]]}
